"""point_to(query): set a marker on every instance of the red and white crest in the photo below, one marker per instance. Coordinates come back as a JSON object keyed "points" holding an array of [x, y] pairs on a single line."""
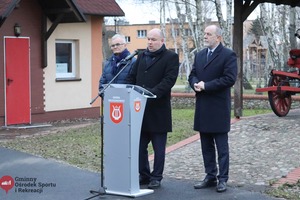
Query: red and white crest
{"points": [[137, 105], [116, 111]]}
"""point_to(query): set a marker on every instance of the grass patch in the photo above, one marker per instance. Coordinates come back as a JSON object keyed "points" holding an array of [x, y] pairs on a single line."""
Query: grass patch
{"points": [[81, 146], [286, 191], [182, 125], [253, 112]]}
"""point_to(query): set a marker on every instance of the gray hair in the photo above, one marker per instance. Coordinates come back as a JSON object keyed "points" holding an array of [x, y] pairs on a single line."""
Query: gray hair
{"points": [[119, 36], [218, 31]]}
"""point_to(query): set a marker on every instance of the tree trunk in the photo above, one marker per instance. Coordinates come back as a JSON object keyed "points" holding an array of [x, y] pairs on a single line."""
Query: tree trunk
{"points": [[266, 28], [184, 39], [292, 28], [223, 25]]}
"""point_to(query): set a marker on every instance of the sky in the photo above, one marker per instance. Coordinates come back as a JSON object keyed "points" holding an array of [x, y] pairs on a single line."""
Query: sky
{"points": [[143, 12], [139, 13]]}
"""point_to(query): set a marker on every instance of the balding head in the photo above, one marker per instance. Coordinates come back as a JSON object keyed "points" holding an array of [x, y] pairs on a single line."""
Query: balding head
{"points": [[157, 32], [155, 39]]}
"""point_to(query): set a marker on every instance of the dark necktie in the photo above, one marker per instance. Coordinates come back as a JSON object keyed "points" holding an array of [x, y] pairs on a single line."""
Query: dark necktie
{"points": [[209, 54]]}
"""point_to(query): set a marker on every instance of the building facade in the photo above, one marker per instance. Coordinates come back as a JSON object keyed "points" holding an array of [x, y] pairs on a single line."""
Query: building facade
{"points": [[51, 58]]}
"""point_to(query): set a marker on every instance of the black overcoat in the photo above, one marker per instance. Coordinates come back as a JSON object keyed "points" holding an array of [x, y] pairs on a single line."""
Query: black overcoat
{"points": [[158, 78], [213, 105]]}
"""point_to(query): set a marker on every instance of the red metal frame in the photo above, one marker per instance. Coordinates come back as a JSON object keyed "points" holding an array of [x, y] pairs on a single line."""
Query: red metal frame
{"points": [[278, 89], [293, 75], [287, 74]]}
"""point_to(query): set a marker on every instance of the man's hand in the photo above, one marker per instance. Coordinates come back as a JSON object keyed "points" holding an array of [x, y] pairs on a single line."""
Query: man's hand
{"points": [[199, 86]]}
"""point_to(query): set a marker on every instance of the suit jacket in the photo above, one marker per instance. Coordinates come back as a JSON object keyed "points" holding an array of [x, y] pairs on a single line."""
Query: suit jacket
{"points": [[213, 105], [159, 78]]}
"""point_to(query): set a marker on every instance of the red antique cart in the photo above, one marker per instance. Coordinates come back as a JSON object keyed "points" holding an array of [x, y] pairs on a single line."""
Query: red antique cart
{"points": [[283, 84]]}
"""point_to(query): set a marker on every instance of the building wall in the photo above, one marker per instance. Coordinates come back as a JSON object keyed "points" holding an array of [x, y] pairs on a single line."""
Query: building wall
{"points": [[97, 56], [141, 43], [74, 94], [131, 31], [51, 99], [28, 16], [138, 43]]}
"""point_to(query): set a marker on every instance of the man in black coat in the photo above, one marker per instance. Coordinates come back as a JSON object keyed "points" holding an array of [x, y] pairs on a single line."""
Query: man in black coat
{"points": [[213, 74], [156, 69]]}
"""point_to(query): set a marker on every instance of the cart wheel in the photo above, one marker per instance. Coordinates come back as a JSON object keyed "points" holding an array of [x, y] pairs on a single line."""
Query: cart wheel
{"points": [[280, 101]]}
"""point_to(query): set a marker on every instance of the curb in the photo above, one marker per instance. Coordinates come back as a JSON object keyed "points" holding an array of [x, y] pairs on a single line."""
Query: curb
{"points": [[292, 178]]}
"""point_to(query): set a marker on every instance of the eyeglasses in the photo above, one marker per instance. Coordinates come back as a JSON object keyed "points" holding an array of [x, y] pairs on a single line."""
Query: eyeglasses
{"points": [[116, 45]]}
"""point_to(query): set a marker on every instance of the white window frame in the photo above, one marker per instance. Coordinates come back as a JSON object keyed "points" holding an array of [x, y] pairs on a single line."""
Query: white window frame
{"points": [[127, 39], [73, 54], [142, 33]]}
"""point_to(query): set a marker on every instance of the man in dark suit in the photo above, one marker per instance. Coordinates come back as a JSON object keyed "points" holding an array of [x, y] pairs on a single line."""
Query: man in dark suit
{"points": [[213, 74], [156, 69]]}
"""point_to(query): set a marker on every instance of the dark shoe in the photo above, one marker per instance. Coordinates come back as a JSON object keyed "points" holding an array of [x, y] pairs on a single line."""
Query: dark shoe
{"points": [[206, 183], [221, 187], [144, 181], [154, 184]]}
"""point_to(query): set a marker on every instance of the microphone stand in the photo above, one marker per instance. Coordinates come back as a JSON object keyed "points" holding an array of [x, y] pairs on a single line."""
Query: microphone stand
{"points": [[102, 189], [112, 80]]}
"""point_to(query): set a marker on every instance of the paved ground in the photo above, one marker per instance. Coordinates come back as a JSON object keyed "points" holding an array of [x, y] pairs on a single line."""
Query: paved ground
{"points": [[263, 149]]}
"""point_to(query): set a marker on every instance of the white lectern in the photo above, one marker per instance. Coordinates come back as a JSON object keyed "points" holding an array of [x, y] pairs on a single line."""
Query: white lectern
{"points": [[124, 107]]}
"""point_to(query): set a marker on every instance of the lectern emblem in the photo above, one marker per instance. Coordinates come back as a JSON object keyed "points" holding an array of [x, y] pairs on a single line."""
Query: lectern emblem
{"points": [[116, 112], [137, 106]]}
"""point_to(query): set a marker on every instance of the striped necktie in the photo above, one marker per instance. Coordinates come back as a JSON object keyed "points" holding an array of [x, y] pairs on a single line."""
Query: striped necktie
{"points": [[209, 54]]}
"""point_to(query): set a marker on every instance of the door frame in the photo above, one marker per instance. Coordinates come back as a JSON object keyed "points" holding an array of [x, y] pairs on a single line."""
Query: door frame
{"points": [[28, 118]]}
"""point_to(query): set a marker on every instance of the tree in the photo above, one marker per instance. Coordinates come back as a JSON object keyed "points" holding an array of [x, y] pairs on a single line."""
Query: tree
{"points": [[256, 29], [184, 41], [292, 28], [226, 27]]}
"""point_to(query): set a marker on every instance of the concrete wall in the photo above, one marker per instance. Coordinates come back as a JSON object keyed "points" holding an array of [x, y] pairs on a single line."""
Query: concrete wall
{"points": [[187, 100]]}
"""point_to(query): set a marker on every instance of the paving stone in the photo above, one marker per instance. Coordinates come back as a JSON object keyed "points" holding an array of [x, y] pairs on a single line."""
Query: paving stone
{"points": [[262, 149]]}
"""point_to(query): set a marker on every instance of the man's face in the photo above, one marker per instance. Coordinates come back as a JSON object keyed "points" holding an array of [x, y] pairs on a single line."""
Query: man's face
{"points": [[117, 45], [155, 41], [211, 40]]}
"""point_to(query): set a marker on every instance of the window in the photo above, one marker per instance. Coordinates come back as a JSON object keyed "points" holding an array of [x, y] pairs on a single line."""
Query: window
{"points": [[65, 58], [188, 32], [127, 38], [142, 33], [176, 32]]}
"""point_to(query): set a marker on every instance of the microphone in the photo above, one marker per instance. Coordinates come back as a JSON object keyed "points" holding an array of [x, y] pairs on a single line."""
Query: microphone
{"points": [[129, 57]]}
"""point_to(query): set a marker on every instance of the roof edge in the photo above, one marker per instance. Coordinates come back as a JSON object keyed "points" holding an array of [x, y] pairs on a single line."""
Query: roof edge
{"points": [[79, 14], [9, 9]]}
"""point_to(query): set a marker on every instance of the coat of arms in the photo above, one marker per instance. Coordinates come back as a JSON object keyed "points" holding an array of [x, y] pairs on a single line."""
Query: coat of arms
{"points": [[116, 111]]}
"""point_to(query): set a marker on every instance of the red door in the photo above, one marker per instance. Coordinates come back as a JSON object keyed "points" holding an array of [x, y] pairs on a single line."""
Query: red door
{"points": [[17, 84]]}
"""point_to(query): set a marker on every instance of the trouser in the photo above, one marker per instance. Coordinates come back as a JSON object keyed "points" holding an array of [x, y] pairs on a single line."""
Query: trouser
{"points": [[158, 140], [209, 143]]}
